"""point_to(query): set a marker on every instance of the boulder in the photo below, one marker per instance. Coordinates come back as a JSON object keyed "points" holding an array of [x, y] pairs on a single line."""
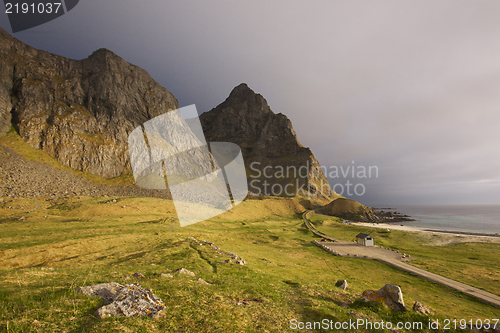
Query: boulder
{"points": [[166, 275], [124, 301], [342, 284], [184, 271], [420, 308], [202, 281], [106, 291], [389, 294]]}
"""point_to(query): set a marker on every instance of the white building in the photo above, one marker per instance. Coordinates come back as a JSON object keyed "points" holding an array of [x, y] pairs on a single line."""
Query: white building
{"points": [[365, 239]]}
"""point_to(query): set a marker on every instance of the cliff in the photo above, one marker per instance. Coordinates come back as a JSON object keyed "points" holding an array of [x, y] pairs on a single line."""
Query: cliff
{"points": [[79, 112], [276, 162]]}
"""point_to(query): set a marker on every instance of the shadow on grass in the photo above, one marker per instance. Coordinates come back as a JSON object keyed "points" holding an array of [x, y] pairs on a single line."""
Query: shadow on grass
{"points": [[307, 309], [131, 257], [153, 221], [89, 322]]}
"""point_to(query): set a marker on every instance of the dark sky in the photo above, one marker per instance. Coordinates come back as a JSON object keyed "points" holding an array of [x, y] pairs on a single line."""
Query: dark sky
{"points": [[411, 87]]}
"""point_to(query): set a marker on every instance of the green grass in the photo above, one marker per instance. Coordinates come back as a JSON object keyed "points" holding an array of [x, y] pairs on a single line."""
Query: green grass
{"points": [[87, 241]]}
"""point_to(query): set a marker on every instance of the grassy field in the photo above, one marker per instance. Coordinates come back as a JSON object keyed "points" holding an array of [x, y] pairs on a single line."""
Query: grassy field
{"points": [[48, 248]]}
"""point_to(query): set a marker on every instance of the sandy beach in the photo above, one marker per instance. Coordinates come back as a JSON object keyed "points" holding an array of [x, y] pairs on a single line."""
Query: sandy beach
{"points": [[448, 236]]}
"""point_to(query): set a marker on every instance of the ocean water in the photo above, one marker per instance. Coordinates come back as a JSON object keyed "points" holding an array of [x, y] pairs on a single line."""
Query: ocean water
{"points": [[471, 218]]}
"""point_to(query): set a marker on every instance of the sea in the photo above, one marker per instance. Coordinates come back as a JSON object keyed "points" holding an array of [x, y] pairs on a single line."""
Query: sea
{"points": [[466, 218]]}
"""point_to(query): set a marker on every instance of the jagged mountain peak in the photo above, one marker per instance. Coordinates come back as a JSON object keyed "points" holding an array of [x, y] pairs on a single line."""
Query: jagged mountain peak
{"points": [[244, 92], [105, 55], [267, 139], [104, 51], [245, 100]]}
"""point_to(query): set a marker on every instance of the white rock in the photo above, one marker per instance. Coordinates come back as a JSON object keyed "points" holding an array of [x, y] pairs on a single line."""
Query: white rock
{"points": [[184, 271], [342, 284], [202, 281], [166, 275], [124, 301], [389, 294]]}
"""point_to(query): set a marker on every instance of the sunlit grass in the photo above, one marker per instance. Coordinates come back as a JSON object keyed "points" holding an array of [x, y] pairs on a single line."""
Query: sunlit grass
{"points": [[13, 141], [88, 241]]}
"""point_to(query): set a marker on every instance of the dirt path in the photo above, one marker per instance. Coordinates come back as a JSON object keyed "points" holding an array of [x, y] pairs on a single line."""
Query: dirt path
{"points": [[394, 259]]}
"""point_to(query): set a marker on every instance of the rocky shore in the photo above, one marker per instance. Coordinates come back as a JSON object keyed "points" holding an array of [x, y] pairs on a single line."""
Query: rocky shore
{"points": [[389, 216]]}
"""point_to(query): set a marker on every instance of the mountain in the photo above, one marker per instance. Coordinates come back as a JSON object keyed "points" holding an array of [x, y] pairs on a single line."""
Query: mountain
{"points": [[276, 162], [78, 111], [81, 112]]}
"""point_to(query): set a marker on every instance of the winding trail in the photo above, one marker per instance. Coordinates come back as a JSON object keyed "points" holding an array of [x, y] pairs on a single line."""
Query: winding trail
{"points": [[394, 259]]}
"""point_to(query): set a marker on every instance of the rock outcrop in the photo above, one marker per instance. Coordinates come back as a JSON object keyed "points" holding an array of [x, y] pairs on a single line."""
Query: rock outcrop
{"points": [[124, 301], [267, 141], [349, 209], [184, 271], [107, 292], [390, 294], [79, 111], [420, 308], [342, 284]]}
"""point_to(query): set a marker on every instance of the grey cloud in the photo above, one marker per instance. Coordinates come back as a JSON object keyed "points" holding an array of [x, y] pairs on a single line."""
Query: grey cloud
{"points": [[411, 87]]}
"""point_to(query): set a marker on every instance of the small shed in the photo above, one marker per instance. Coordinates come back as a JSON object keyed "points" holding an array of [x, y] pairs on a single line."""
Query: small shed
{"points": [[365, 239]]}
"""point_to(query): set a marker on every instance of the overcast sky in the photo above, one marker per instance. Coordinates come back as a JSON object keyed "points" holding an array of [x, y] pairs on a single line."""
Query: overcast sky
{"points": [[411, 87]]}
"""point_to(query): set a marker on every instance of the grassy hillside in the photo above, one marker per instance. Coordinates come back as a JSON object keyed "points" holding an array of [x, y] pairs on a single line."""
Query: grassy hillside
{"points": [[50, 246], [14, 141], [348, 209], [86, 241]]}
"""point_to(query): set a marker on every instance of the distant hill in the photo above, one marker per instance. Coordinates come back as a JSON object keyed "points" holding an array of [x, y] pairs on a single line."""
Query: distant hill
{"points": [[349, 209]]}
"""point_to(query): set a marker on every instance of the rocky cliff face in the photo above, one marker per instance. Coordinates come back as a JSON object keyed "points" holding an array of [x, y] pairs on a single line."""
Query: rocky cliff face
{"points": [[82, 112], [79, 112], [276, 162]]}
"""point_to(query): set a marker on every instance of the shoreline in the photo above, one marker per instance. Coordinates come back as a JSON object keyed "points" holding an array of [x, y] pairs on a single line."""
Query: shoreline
{"points": [[466, 233], [420, 229]]}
